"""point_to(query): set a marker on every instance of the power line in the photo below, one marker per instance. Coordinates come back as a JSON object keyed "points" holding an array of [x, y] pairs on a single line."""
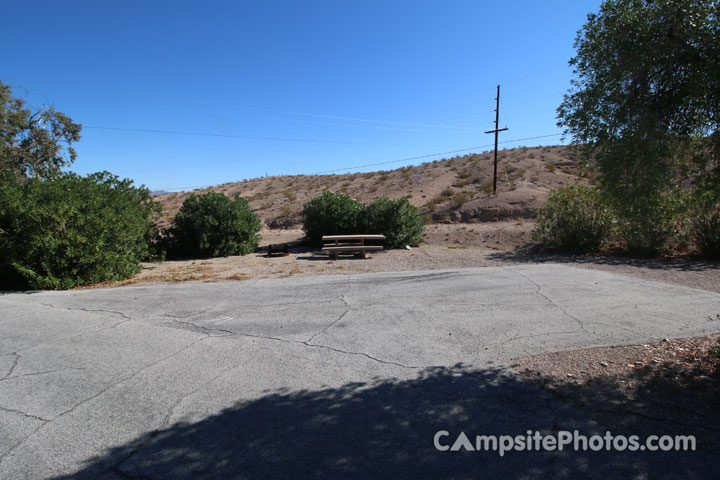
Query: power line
{"points": [[433, 154], [388, 162], [172, 132], [339, 117], [168, 189]]}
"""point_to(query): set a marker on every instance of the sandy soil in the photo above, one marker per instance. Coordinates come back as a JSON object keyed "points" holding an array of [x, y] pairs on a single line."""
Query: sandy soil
{"points": [[451, 190], [670, 387], [447, 246]]}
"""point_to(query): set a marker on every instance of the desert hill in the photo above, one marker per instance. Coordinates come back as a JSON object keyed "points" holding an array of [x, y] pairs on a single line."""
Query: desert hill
{"points": [[454, 190]]}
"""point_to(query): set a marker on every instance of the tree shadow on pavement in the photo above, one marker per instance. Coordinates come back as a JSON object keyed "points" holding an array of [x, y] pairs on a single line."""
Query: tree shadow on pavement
{"points": [[386, 429], [680, 264]]}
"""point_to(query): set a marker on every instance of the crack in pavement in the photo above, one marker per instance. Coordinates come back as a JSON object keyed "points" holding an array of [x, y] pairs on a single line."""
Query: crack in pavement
{"points": [[97, 394], [342, 315], [91, 310], [315, 302], [11, 449], [327, 347], [80, 335], [548, 299], [152, 435], [13, 366], [201, 329], [130, 377], [8, 377], [28, 415]]}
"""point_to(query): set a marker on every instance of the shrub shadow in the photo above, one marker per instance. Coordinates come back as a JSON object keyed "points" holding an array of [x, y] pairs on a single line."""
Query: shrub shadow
{"points": [[385, 429], [679, 264]]}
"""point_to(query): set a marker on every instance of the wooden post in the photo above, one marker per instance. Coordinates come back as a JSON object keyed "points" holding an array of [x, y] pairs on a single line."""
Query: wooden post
{"points": [[496, 131]]}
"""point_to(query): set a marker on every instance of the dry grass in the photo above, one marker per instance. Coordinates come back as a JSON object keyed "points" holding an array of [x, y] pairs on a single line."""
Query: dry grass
{"points": [[277, 198]]}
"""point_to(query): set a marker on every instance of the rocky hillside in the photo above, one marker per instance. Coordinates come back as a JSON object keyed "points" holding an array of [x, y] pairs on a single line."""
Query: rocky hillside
{"points": [[452, 190]]}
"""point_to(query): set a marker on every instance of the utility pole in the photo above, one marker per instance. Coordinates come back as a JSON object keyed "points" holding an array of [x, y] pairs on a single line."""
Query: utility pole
{"points": [[496, 131]]}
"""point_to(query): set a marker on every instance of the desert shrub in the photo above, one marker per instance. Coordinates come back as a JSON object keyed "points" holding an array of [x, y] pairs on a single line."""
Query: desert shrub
{"points": [[397, 219], [330, 214], [460, 199], [68, 230], [338, 214], [487, 186], [574, 219], [213, 225], [550, 167], [447, 192], [432, 204]]}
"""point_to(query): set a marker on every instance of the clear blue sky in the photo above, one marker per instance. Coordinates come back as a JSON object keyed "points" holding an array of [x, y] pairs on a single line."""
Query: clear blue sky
{"points": [[294, 86]]}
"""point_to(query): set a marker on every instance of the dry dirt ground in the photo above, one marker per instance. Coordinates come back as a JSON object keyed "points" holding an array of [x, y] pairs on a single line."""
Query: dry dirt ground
{"points": [[654, 389], [452, 190], [447, 246]]}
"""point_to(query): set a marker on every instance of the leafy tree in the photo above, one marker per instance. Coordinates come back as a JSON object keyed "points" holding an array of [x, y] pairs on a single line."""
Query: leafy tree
{"points": [[645, 105], [338, 214], [68, 230], [213, 225], [397, 219], [574, 219], [331, 214], [34, 143]]}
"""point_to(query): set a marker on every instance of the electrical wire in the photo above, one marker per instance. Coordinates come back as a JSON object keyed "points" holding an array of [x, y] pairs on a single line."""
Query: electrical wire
{"points": [[434, 154], [168, 189], [172, 132]]}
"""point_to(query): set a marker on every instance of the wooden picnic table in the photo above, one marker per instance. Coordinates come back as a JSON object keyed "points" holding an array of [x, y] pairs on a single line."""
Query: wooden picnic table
{"points": [[351, 243]]}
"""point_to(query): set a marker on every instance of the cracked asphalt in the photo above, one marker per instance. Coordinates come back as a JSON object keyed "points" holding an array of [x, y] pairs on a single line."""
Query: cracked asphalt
{"points": [[320, 377]]}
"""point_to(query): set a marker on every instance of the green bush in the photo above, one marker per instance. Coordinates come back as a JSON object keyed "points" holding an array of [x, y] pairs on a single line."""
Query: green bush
{"points": [[397, 219], [69, 230], [331, 214], [574, 219], [338, 214], [213, 225], [652, 223]]}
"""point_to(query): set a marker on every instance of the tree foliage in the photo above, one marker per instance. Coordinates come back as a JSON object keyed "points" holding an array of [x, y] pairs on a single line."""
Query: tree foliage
{"points": [[331, 214], [68, 230], [34, 143], [213, 225], [574, 219], [339, 214], [645, 106], [397, 219]]}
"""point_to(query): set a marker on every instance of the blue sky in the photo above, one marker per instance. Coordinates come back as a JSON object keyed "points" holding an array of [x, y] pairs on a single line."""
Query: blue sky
{"points": [[288, 87]]}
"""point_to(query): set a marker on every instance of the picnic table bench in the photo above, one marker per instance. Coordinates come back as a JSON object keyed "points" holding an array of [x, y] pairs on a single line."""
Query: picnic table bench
{"points": [[351, 244]]}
